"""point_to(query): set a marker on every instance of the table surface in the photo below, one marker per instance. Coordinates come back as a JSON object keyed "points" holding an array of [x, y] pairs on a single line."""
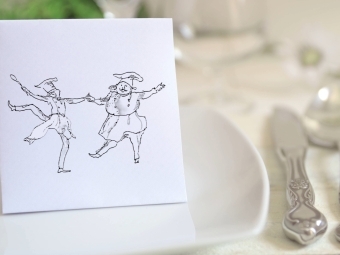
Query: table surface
{"points": [[252, 99]]}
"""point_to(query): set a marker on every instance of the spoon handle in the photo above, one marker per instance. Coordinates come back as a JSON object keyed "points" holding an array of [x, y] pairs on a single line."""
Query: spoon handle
{"points": [[337, 230], [302, 222]]}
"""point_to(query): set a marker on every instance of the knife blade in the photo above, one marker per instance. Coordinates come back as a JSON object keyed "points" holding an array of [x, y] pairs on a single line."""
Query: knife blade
{"points": [[302, 223], [288, 131]]}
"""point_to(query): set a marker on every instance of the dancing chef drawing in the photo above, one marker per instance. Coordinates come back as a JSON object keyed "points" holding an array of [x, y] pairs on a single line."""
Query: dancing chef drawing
{"points": [[122, 120], [56, 120]]}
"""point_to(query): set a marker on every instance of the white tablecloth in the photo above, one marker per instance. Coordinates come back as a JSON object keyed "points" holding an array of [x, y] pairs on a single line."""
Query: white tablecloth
{"points": [[260, 83]]}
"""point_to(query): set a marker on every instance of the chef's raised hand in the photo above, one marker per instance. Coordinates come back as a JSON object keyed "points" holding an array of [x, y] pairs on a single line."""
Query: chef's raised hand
{"points": [[160, 87], [25, 90]]}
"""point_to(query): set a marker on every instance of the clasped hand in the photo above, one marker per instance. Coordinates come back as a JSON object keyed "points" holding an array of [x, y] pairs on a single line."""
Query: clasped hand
{"points": [[89, 98]]}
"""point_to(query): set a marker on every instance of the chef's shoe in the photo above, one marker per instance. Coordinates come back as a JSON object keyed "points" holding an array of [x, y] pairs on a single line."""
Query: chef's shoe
{"points": [[12, 107], [95, 155], [61, 170]]}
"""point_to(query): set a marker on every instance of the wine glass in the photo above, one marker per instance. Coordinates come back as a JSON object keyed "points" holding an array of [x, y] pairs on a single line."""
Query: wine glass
{"points": [[211, 36], [118, 8]]}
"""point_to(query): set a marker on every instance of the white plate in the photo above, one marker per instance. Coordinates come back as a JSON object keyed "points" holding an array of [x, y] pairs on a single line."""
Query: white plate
{"points": [[228, 196]]}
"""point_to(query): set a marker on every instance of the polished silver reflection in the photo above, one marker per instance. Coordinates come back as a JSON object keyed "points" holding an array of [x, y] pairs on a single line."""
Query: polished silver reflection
{"points": [[322, 121], [302, 222]]}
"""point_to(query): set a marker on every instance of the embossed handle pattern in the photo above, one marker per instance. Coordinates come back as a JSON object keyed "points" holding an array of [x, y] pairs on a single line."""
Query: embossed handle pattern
{"points": [[303, 222], [337, 230]]}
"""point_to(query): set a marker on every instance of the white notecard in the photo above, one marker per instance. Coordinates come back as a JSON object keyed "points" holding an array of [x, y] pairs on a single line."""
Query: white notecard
{"points": [[89, 115]]}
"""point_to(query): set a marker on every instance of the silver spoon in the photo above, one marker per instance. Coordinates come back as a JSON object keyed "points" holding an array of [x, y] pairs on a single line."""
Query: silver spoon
{"points": [[322, 121]]}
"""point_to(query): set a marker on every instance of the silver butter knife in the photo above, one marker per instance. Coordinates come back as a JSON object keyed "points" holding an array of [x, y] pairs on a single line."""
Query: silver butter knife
{"points": [[302, 222]]}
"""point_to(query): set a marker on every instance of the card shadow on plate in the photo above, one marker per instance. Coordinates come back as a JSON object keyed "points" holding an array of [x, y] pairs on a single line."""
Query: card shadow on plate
{"points": [[108, 230], [0, 198]]}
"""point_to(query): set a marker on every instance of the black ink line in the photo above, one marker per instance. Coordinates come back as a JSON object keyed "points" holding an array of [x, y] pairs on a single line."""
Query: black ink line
{"points": [[122, 104], [56, 120]]}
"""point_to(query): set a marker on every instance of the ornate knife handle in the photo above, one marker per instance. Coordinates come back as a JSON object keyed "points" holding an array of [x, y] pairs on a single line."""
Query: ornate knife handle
{"points": [[302, 222]]}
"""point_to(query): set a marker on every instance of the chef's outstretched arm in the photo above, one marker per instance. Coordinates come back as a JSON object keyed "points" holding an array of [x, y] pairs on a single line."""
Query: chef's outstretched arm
{"points": [[100, 101], [29, 93], [147, 94], [88, 97], [74, 100]]}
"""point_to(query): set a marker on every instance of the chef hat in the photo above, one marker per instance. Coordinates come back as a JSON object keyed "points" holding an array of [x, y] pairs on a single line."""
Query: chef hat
{"points": [[47, 84], [129, 77]]}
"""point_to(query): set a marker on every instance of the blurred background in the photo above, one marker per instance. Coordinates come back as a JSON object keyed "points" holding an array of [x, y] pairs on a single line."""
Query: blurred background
{"points": [[242, 54], [242, 58]]}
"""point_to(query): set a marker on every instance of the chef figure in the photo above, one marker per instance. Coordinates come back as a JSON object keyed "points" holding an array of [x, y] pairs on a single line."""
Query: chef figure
{"points": [[55, 120], [122, 120]]}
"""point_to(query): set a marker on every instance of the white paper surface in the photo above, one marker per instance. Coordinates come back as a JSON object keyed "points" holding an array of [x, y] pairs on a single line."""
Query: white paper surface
{"points": [[123, 230], [83, 55]]}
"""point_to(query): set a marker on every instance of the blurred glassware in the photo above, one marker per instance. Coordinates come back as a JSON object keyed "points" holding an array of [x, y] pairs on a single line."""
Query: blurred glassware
{"points": [[310, 55], [213, 31], [118, 8], [211, 35]]}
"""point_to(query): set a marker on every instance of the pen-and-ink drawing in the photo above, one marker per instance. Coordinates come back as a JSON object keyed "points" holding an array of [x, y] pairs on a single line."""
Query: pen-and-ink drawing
{"points": [[55, 120], [121, 104], [123, 120]]}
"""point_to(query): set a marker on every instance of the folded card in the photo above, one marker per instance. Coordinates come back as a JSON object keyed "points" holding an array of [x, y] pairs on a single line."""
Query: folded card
{"points": [[89, 115]]}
